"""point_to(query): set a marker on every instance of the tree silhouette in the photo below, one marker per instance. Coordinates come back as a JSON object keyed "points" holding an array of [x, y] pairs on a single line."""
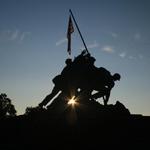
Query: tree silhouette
{"points": [[6, 107]]}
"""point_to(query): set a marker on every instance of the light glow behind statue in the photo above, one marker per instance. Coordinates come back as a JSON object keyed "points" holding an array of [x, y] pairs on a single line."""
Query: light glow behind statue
{"points": [[72, 101]]}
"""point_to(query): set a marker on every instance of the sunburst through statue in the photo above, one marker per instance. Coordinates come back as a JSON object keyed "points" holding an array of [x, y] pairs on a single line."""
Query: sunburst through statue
{"points": [[72, 101]]}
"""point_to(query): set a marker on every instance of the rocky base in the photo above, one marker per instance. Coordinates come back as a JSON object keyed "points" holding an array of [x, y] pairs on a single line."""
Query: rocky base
{"points": [[89, 125]]}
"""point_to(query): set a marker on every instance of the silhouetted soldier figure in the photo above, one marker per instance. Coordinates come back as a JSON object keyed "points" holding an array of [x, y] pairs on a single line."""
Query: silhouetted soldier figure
{"points": [[67, 68], [80, 58], [82, 74], [104, 84], [72, 76], [61, 84], [83, 68], [83, 65], [84, 58]]}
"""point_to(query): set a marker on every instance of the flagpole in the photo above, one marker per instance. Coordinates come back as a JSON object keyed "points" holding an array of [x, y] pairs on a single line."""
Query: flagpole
{"points": [[78, 30]]}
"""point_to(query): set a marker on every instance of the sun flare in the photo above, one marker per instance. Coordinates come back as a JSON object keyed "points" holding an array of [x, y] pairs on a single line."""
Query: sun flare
{"points": [[72, 101]]}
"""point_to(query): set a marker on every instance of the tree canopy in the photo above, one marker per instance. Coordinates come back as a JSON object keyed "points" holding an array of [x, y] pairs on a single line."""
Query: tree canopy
{"points": [[6, 106]]}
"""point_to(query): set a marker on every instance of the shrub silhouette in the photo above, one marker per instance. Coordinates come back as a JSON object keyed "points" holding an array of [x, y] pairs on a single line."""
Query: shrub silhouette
{"points": [[6, 107]]}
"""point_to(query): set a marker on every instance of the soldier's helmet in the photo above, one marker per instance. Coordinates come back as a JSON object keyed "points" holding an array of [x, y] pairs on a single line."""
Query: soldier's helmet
{"points": [[90, 59], [116, 76], [83, 52]]}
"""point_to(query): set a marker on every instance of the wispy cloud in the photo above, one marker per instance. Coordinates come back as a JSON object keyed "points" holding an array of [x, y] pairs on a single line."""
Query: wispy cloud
{"points": [[62, 41], [123, 54], [13, 35], [136, 57], [131, 57], [108, 49], [93, 45], [24, 35]]}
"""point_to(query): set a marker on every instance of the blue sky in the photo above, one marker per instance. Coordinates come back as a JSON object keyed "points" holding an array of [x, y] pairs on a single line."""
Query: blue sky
{"points": [[33, 47]]}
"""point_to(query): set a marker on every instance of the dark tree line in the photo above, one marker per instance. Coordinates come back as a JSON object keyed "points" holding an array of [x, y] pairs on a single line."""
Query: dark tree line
{"points": [[7, 109]]}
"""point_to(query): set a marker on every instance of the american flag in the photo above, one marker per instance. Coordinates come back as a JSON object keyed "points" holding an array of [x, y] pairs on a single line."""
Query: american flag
{"points": [[69, 32]]}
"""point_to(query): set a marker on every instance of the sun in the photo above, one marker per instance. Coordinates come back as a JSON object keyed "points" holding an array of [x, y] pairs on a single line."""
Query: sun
{"points": [[72, 101]]}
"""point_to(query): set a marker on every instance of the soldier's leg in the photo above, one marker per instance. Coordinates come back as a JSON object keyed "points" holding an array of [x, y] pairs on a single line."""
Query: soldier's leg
{"points": [[106, 98], [49, 97], [102, 93], [97, 95]]}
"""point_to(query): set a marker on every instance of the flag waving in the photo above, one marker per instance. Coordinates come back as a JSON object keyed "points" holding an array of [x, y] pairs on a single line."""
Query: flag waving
{"points": [[70, 30]]}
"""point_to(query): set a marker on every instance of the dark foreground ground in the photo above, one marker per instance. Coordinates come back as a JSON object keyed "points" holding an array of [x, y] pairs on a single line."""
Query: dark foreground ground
{"points": [[86, 126]]}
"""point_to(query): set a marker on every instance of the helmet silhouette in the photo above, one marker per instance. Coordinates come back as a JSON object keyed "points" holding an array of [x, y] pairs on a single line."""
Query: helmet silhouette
{"points": [[116, 76]]}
